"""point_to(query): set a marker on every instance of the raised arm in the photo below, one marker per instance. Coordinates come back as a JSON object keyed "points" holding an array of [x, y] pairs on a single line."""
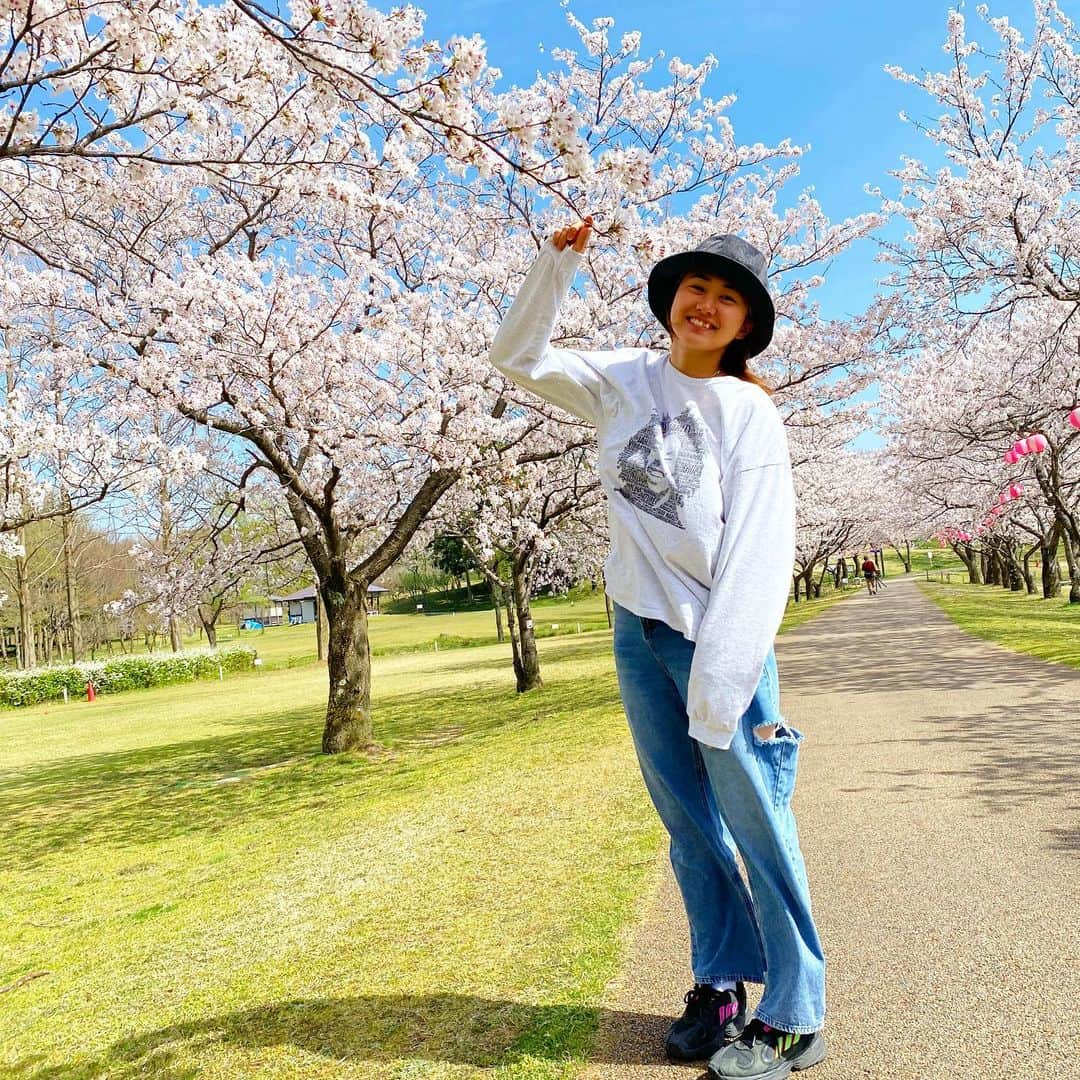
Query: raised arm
{"points": [[522, 349]]}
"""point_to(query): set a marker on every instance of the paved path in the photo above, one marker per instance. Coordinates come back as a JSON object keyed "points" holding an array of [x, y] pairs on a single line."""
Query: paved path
{"points": [[938, 804]]}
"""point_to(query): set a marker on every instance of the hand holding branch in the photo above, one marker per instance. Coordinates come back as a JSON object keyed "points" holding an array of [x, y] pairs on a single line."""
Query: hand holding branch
{"points": [[575, 236]]}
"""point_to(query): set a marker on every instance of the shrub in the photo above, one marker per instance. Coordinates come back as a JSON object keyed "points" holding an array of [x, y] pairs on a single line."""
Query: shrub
{"points": [[120, 673]]}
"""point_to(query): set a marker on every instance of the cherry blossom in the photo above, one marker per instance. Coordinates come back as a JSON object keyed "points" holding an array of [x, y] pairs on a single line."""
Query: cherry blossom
{"points": [[299, 236]]}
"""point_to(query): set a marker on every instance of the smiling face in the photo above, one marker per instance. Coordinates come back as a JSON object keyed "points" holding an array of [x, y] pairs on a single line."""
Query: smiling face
{"points": [[708, 313]]}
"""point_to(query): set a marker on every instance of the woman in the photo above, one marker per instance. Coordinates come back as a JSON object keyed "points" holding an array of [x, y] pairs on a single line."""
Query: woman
{"points": [[694, 461]]}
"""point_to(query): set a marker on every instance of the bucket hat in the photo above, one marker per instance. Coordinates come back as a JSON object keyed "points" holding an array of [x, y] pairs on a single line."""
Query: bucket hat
{"points": [[731, 258]]}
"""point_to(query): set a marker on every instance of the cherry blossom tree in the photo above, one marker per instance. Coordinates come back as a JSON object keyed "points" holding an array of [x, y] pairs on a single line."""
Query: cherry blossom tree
{"points": [[997, 223], [989, 278], [299, 231], [218, 107], [837, 492], [539, 517], [63, 447], [253, 251], [960, 407], [205, 564], [658, 149]]}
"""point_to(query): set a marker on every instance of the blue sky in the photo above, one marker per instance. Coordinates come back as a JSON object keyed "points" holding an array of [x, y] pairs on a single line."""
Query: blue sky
{"points": [[808, 71]]}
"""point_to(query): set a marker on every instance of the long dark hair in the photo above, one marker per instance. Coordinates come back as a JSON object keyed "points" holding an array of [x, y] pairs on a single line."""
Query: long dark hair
{"points": [[735, 362], [736, 357]]}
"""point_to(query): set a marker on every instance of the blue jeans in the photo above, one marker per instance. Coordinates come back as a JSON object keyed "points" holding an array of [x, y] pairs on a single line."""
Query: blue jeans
{"points": [[714, 803]]}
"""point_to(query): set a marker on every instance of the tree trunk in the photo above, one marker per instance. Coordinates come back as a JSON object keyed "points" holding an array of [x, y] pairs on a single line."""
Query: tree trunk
{"points": [[821, 578], [209, 624], [498, 619], [165, 539], [1016, 573], [607, 604], [74, 626], [975, 570], [1074, 567], [1066, 523], [971, 560], [27, 651], [348, 710], [320, 641], [796, 582], [1051, 572], [511, 622], [808, 581], [1005, 563], [1002, 569], [1029, 578], [529, 676], [904, 556], [1012, 577]]}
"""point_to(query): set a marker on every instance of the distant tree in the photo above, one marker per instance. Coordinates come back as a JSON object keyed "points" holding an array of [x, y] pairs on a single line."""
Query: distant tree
{"points": [[452, 557]]}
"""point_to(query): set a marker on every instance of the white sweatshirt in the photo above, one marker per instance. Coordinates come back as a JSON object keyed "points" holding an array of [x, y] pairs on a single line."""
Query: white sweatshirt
{"points": [[698, 480]]}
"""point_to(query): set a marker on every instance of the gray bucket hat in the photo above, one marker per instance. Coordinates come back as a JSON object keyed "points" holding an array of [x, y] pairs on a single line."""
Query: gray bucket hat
{"points": [[731, 258]]}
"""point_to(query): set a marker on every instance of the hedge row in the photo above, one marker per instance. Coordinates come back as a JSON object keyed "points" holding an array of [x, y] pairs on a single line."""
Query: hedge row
{"points": [[120, 673]]}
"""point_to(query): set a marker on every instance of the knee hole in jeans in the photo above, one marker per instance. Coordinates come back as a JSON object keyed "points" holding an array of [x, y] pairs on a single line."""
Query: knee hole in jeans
{"points": [[766, 731]]}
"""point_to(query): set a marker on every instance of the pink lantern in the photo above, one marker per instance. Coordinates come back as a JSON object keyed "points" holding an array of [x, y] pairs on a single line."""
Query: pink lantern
{"points": [[1020, 447], [1037, 444], [1011, 457], [1003, 498], [1016, 491], [1074, 417]]}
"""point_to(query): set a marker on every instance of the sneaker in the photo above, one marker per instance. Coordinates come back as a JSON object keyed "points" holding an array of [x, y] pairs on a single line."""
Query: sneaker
{"points": [[711, 1020], [763, 1053]]}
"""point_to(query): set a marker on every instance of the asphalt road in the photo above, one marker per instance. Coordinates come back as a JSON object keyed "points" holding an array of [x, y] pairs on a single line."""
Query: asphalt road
{"points": [[939, 808]]}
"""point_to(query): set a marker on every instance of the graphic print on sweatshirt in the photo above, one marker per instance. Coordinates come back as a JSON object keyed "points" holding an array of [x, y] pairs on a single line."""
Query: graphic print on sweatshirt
{"points": [[661, 465]]}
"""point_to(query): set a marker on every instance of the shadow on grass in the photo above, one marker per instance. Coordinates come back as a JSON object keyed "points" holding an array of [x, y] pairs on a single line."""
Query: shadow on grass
{"points": [[447, 1028], [271, 766]]}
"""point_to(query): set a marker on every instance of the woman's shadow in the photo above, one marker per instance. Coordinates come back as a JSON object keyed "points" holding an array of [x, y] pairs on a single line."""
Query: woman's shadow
{"points": [[439, 1028]]}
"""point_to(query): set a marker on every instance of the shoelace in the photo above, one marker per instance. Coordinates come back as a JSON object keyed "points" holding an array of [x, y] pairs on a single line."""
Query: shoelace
{"points": [[698, 995]]}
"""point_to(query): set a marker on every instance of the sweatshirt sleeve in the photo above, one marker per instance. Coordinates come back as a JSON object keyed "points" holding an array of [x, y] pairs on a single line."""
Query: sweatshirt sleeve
{"points": [[750, 586], [522, 348]]}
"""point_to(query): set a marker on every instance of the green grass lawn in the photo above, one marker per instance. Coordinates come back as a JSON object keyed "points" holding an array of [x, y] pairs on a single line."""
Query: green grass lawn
{"points": [[925, 555], [191, 889], [293, 646], [1049, 629]]}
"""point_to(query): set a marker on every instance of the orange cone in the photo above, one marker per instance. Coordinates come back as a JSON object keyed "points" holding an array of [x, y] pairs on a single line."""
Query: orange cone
{"points": [[90, 694]]}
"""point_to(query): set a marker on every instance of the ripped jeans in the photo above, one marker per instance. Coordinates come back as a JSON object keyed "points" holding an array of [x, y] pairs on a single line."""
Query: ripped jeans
{"points": [[714, 803]]}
